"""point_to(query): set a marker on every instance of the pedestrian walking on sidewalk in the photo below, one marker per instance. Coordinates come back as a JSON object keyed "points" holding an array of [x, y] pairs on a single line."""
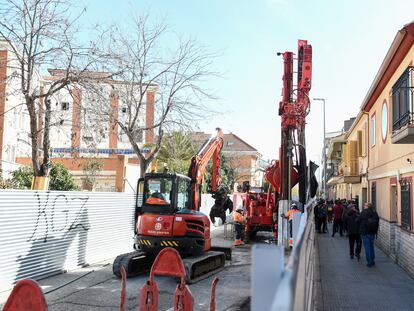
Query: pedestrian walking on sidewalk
{"points": [[316, 215], [329, 208], [352, 223], [239, 220], [337, 213], [369, 223], [323, 218], [345, 211]]}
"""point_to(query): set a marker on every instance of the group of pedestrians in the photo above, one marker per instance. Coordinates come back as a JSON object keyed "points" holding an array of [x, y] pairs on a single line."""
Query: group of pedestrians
{"points": [[360, 228]]}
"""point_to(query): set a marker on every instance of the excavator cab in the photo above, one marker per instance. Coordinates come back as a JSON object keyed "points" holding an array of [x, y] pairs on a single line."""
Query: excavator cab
{"points": [[165, 193], [165, 217]]}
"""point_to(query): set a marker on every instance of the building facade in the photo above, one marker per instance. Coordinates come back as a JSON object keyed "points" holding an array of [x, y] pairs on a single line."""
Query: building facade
{"points": [[83, 126], [244, 159], [376, 154], [389, 111]]}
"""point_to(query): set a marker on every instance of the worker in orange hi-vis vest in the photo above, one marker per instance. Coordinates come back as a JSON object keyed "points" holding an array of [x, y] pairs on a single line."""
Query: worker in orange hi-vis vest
{"points": [[239, 220], [156, 198], [289, 215]]}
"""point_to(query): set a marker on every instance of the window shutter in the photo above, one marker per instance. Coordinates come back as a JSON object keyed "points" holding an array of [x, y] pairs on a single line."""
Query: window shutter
{"points": [[359, 142]]}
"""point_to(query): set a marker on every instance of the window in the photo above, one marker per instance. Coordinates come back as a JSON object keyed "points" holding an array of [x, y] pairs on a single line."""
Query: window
{"points": [[373, 131], [402, 101], [158, 191], [88, 139], [360, 144], [138, 136], [384, 121], [65, 105], [406, 205], [230, 143], [183, 198], [124, 109]]}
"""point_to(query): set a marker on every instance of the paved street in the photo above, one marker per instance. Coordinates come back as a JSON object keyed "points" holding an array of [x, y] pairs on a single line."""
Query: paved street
{"points": [[347, 284], [100, 289]]}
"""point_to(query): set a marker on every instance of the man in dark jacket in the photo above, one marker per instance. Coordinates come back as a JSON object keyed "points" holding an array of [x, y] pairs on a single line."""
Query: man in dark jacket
{"points": [[352, 223], [323, 218], [368, 228], [316, 215], [337, 213]]}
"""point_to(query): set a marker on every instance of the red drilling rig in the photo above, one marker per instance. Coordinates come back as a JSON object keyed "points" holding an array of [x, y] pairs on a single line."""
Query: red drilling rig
{"points": [[293, 110], [263, 208]]}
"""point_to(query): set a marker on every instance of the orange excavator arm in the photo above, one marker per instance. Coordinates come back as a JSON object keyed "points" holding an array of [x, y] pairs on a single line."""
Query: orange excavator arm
{"points": [[211, 149]]}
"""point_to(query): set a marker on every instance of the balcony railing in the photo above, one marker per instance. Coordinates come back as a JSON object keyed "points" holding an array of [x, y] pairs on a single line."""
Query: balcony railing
{"points": [[402, 100], [405, 119]]}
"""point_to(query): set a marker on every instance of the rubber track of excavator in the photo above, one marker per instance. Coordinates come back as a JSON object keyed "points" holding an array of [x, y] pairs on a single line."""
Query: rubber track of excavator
{"points": [[196, 267], [200, 267], [134, 263]]}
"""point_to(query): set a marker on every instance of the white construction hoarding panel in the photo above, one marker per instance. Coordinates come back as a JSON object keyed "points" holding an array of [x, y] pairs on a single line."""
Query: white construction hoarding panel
{"points": [[46, 232]]}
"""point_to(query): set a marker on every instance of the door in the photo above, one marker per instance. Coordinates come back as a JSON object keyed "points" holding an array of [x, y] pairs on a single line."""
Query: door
{"points": [[393, 204], [406, 206]]}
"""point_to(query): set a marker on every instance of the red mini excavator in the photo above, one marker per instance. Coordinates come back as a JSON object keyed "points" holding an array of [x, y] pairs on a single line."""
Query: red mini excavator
{"points": [[167, 215]]}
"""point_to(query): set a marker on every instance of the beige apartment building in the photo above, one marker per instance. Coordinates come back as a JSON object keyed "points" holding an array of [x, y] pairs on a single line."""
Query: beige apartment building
{"points": [[377, 152], [351, 181], [389, 109]]}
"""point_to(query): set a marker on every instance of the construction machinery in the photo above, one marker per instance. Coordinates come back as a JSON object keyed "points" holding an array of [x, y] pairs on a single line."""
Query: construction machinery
{"points": [[167, 215], [293, 109], [263, 209], [259, 206]]}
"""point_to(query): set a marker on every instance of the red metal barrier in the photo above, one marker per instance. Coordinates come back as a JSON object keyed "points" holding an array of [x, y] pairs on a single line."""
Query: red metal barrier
{"points": [[167, 263], [213, 294], [122, 307], [26, 295]]}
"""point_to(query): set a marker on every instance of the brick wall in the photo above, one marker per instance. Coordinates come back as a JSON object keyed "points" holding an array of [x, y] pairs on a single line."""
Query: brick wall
{"points": [[397, 244]]}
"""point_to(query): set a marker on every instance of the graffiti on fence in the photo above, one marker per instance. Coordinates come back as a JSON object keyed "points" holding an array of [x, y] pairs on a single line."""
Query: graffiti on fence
{"points": [[59, 213]]}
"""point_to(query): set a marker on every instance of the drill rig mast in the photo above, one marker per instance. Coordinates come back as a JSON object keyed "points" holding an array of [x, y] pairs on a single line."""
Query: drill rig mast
{"points": [[293, 110]]}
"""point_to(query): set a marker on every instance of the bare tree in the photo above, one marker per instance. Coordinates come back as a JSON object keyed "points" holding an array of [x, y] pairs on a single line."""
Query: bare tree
{"points": [[144, 61], [41, 35]]}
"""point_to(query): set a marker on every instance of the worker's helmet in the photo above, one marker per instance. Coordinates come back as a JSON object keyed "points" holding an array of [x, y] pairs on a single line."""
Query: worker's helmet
{"points": [[294, 206]]}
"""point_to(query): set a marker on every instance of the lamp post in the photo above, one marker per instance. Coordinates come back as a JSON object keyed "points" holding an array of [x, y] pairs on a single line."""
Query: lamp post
{"points": [[324, 147]]}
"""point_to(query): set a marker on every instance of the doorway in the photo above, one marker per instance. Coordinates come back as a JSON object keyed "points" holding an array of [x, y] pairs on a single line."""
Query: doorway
{"points": [[393, 206]]}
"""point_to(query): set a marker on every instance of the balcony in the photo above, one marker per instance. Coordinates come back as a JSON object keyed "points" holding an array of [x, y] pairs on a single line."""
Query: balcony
{"points": [[402, 109], [403, 129]]}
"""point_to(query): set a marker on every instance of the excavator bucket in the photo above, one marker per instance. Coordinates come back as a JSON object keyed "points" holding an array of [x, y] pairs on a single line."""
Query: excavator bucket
{"points": [[222, 203]]}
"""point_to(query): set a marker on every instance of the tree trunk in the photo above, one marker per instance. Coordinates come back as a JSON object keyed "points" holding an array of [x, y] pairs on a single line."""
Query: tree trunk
{"points": [[45, 167], [143, 164], [33, 134]]}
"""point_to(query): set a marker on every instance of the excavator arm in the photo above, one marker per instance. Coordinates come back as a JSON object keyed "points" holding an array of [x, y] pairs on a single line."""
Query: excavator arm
{"points": [[211, 149]]}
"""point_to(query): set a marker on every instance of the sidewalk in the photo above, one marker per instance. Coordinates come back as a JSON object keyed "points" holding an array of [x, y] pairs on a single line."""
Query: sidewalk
{"points": [[347, 284]]}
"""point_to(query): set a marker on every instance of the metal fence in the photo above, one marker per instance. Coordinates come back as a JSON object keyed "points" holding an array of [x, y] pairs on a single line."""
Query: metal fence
{"points": [[292, 285], [43, 233]]}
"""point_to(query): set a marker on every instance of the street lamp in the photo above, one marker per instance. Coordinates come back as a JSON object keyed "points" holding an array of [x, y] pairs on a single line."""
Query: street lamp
{"points": [[324, 147]]}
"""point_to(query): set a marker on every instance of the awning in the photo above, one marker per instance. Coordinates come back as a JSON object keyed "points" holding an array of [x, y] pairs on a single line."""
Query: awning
{"points": [[349, 180], [333, 181], [344, 180]]}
